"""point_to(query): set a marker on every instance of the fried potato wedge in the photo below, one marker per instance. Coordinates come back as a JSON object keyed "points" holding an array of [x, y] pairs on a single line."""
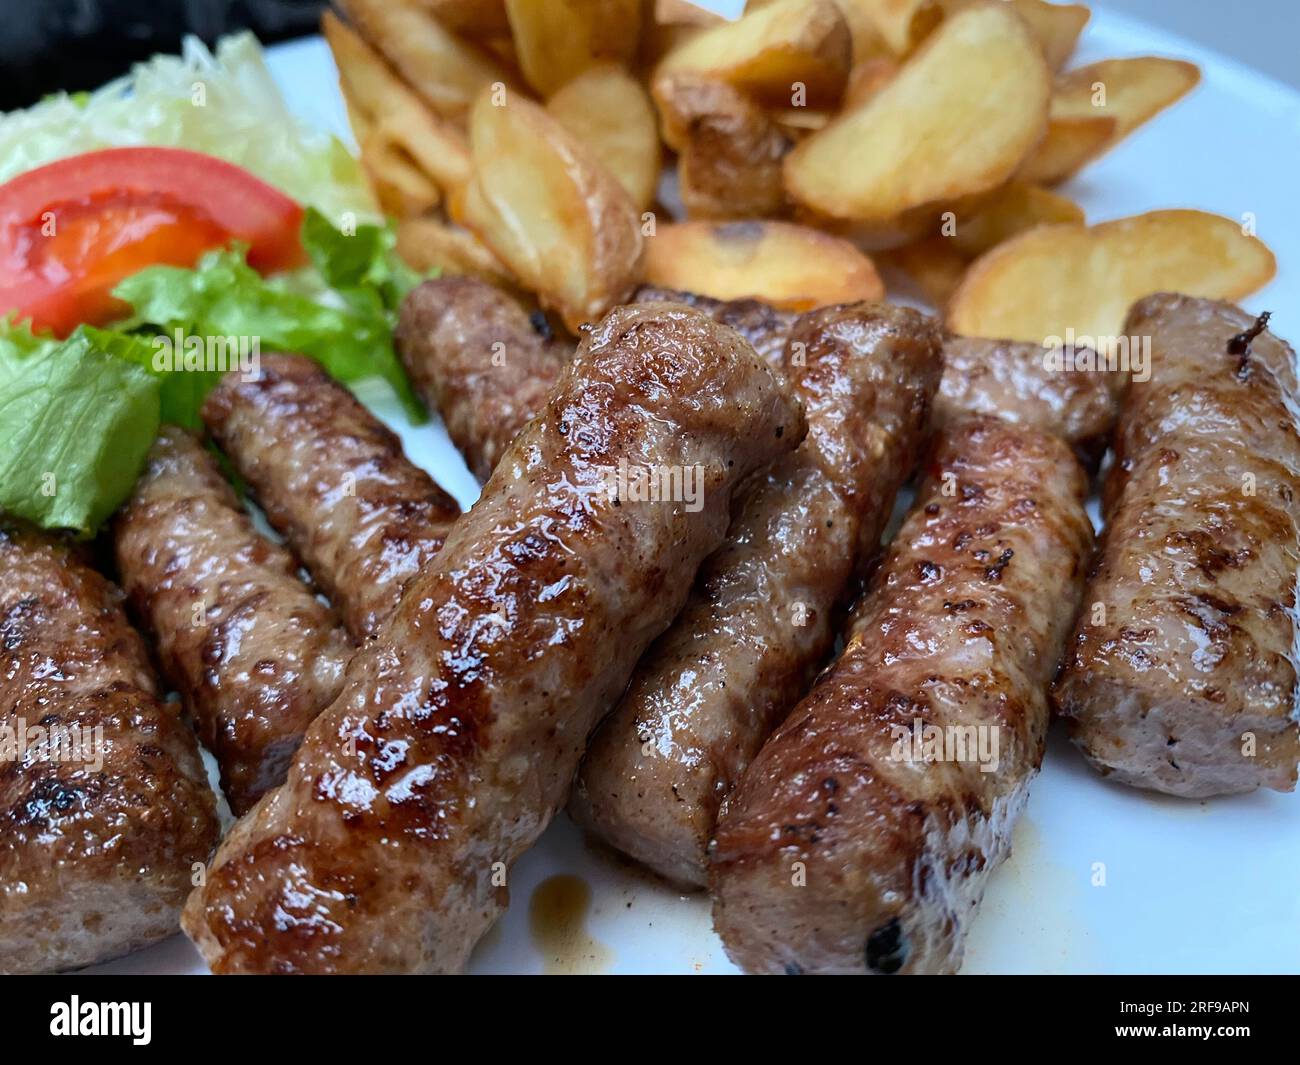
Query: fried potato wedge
{"points": [[557, 40], [1013, 209], [772, 51], [608, 110], [729, 149], [1057, 27], [475, 19], [867, 78], [398, 183], [957, 120], [551, 211], [903, 24], [671, 23], [934, 265], [1127, 92], [1068, 146], [791, 267], [1056, 278], [431, 244], [938, 263], [376, 95], [446, 71]]}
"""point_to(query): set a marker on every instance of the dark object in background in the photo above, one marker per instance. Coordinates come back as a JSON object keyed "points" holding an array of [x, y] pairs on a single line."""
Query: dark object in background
{"points": [[48, 45]]}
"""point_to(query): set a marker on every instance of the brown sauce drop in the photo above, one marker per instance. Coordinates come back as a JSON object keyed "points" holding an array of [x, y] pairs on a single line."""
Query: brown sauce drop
{"points": [[557, 918]]}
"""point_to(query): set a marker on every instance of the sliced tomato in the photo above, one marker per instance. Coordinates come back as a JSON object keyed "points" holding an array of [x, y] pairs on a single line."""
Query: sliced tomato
{"points": [[70, 231]]}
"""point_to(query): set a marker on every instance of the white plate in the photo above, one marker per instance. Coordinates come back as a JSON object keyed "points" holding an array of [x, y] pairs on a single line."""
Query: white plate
{"points": [[1103, 878]]}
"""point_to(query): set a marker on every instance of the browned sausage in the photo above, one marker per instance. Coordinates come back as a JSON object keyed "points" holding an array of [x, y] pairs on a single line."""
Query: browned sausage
{"points": [[252, 651], [765, 327], [1182, 674], [476, 356], [460, 726], [334, 481], [762, 616], [863, 834], [1015, 381], [105, 811]]}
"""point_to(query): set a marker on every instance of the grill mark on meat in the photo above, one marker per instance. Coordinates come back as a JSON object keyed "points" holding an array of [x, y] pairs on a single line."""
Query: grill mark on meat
{"points": [[912, 841], [461, 724], [1198, 563]]}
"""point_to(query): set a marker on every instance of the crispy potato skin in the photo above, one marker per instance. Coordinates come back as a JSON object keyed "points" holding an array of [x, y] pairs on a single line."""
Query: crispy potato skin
{"points": [[95, 860], [477, 357], [252, 651], [547, 207], [764, 612], [334, 481], [461, 724], [1194, 656], [837, 854]]}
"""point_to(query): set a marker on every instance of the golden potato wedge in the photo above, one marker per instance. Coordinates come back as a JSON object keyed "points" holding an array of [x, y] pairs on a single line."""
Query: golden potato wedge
{"points": [[475, 19], [1057, 27], [956, 120], [399, 184], [798, 122], [1072, 277], [558, 39], [1129, 92], [866, 37], [868, 41], [374, 92], [966, 231], [729, 151], [772, 51], [559, 219], [903, 24], [444, 70], [670, 23], [868, 78], [1013, 209], [934, 265], [1066, 148], [608, 110], [788, 266], [431, 244]]}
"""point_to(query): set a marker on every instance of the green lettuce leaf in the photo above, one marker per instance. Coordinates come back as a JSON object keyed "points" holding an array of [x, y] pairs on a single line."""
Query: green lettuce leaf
{"points": [[75, 426], [362, 265], [347, 328]]}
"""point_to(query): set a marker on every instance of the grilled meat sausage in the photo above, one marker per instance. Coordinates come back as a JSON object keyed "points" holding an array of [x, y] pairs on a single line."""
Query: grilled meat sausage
{"points": [[252, 651], [861, 837], [1012, 379], [460, 726], [1182, 672], [104, 805], [334, 481], [765, 327], [762, 616], [477, 357]]}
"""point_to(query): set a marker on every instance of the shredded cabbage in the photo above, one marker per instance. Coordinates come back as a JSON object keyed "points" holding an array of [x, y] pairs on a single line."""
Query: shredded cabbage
{"points": [[226, 105]]}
